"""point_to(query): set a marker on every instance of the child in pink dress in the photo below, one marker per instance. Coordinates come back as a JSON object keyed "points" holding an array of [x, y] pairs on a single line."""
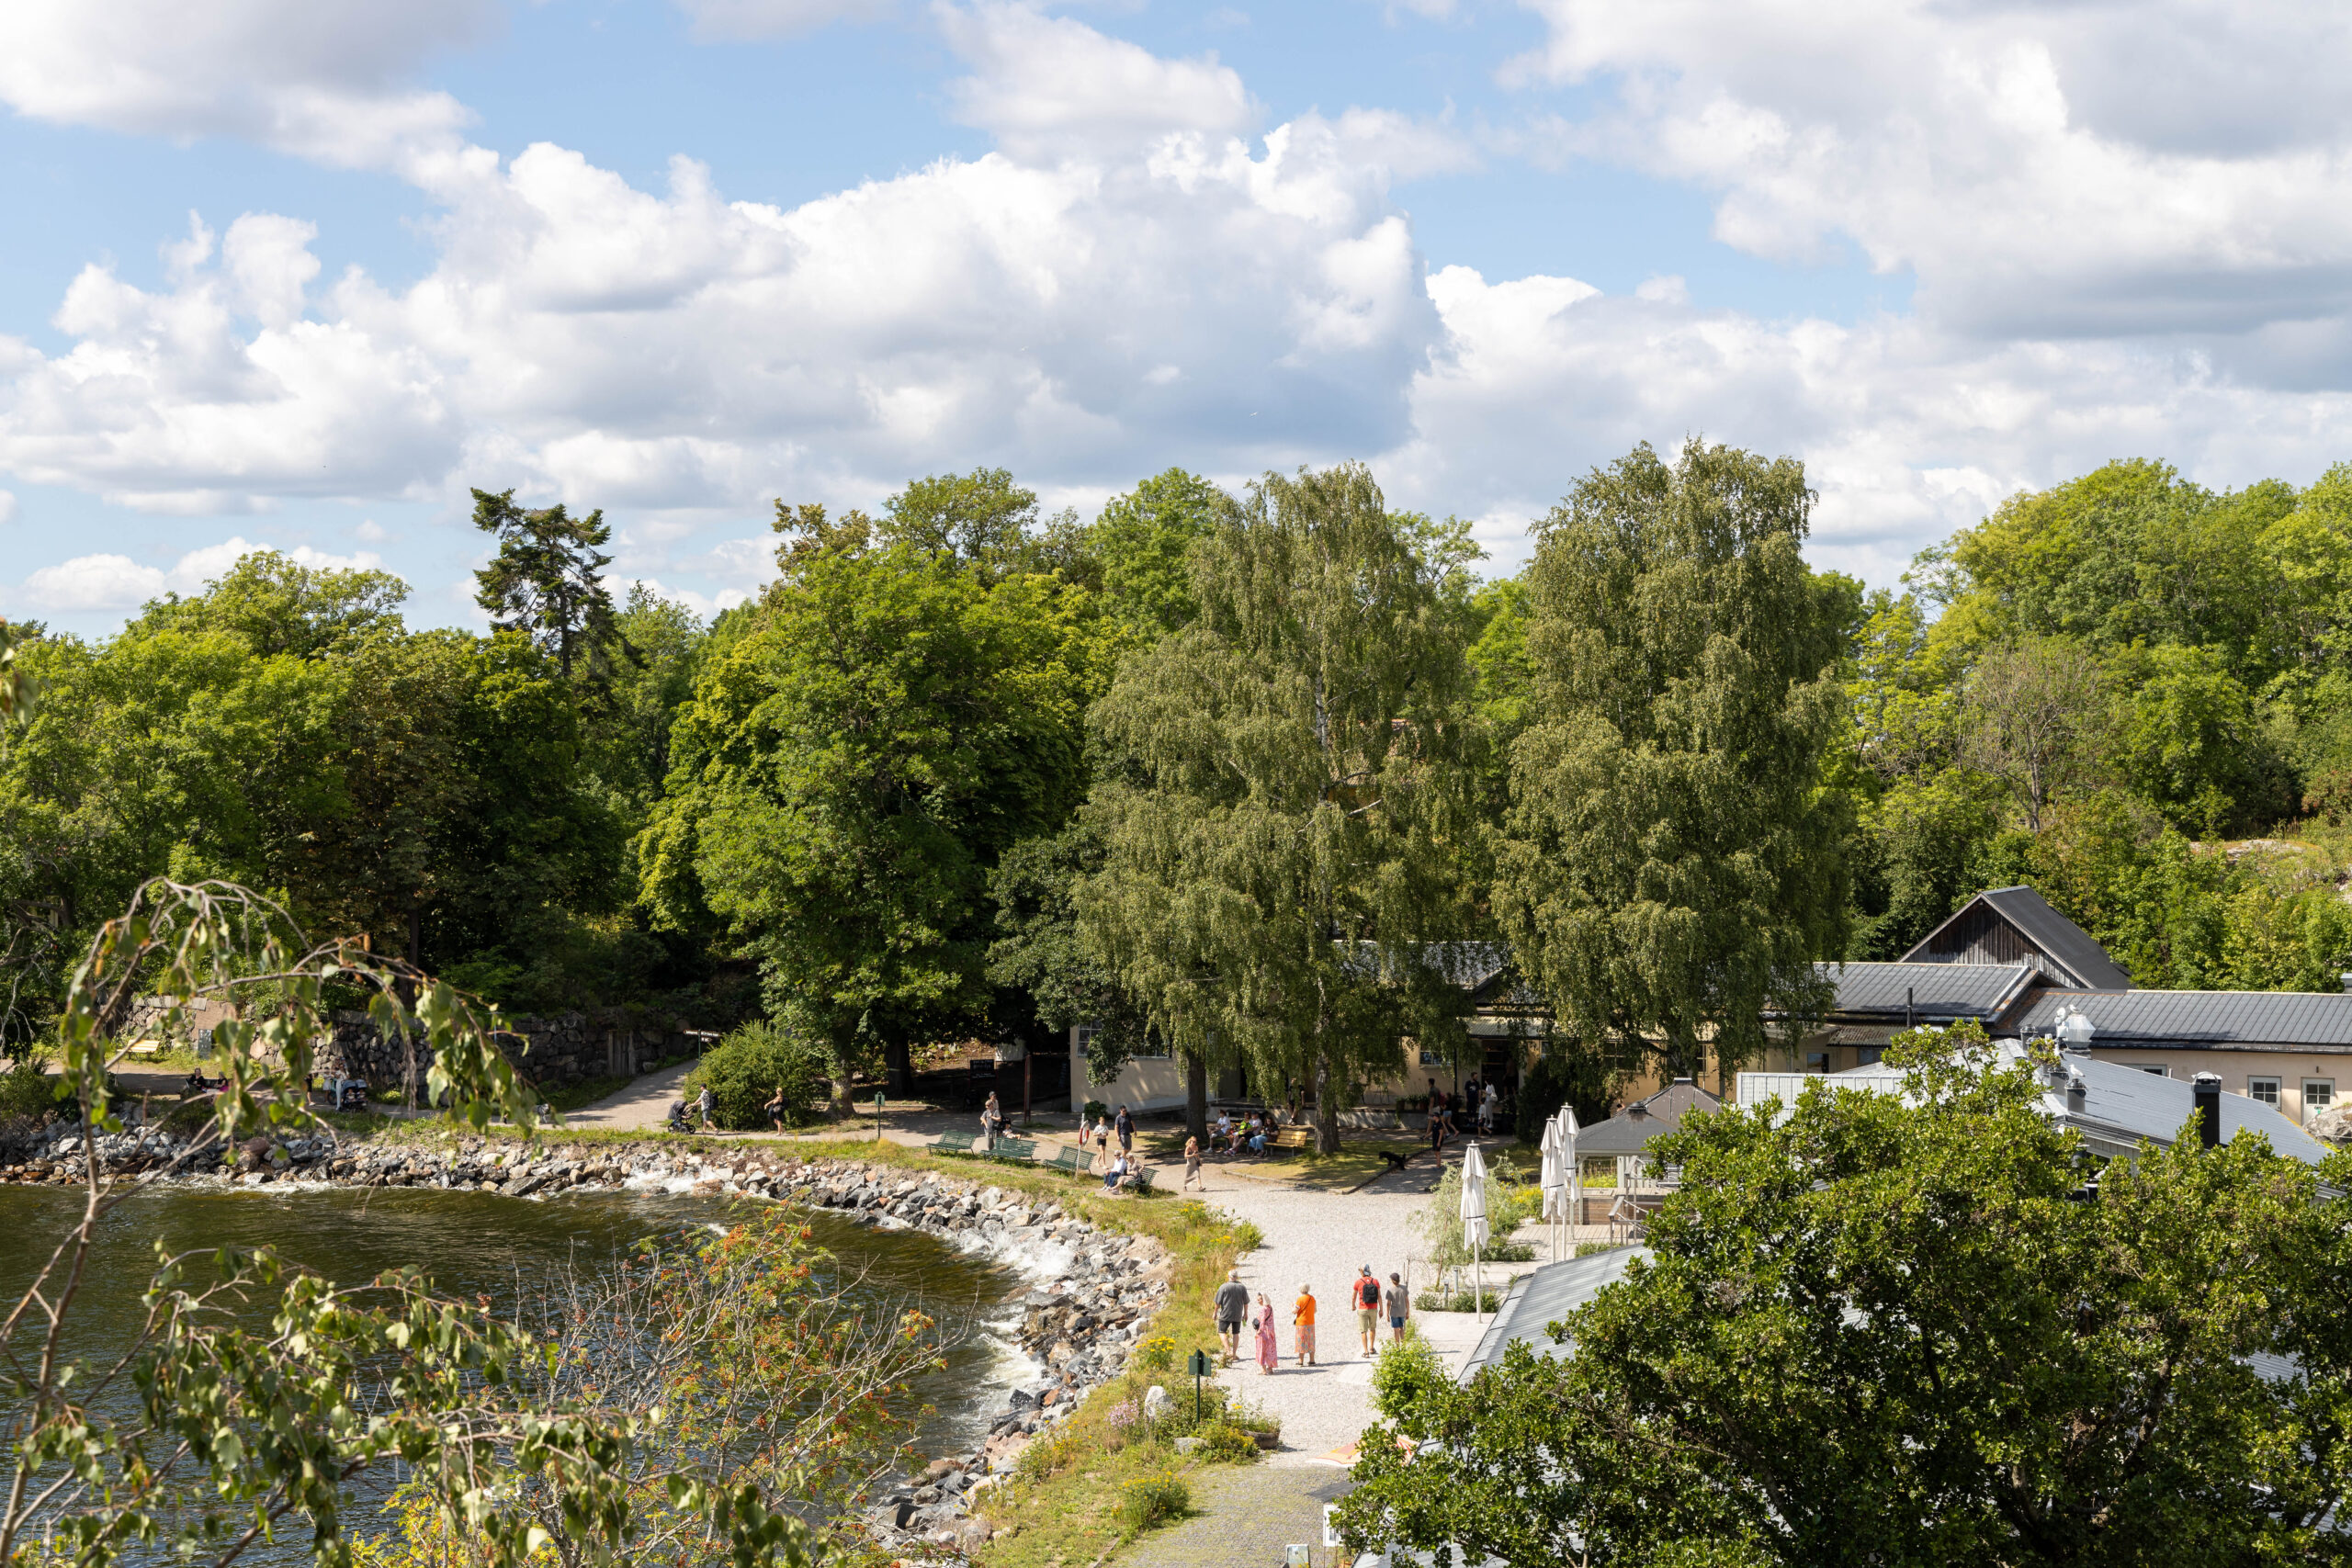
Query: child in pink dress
{"points": [[1267, 1352]]}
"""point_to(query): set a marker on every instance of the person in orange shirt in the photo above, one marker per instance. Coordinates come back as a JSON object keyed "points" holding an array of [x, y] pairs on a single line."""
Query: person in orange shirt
{"points": [[1301, 1319]]}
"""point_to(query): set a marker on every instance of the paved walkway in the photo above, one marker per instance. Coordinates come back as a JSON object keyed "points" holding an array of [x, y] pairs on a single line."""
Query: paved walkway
{"points": [[1246, 1516]]}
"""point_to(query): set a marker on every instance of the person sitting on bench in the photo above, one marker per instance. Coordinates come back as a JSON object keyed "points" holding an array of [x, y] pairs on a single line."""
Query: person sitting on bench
{"points": [[1119, 1174]]}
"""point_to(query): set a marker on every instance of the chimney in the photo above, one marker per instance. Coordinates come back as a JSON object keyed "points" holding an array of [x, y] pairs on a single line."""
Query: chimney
{"points": [[2346, 978], [2208, 1089]]}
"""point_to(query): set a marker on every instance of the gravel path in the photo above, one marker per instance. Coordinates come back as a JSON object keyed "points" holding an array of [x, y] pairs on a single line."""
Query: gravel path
{"points": [[1320, 1238], [644, 1103]]}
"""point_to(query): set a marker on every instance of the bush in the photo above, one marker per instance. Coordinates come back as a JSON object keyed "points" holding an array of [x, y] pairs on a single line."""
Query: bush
{"points": [[744, 1069], [1155, 1354], [1153, 1499], [1465, 1300], [1225, 1442], [27, 1089], [1407, 1371]]}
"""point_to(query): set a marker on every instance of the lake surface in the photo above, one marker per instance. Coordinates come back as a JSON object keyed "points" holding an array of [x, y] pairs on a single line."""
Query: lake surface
{"points": [[481, 1244]]}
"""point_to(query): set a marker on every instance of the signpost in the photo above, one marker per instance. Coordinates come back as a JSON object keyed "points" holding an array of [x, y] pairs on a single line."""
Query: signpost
{"points": [[1200, 1368], [878, 1116]]}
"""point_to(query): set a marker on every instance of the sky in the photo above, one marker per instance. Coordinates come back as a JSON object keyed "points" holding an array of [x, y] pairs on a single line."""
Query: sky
{"points": [[300, 274]]}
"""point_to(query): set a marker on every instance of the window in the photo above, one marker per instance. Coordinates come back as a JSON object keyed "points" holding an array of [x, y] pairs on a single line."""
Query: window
{"points": [[2318, 1095], [2152, 1071], [1816, 1061], [2262, 1089], [1431, 1058], [1869, 1055]]}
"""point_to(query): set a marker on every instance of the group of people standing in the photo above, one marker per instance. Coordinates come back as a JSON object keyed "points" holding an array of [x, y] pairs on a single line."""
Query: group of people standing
{"points": [[1370, 1299], [1449, 1115]]}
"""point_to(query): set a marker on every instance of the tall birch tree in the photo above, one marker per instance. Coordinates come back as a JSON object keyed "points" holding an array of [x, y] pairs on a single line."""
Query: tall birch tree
{"points": [[1672, 862], [1285, 793]]}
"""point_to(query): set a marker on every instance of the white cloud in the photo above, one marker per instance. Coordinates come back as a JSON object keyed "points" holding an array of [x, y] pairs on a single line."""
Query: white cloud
{"points": [[2097, 169], [100, 583], [326, 79], [718, 19], [8, 508], [1045, 84]]}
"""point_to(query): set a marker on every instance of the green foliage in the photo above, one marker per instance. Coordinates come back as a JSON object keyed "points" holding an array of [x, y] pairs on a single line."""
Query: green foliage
{"points": [[747, 1069], [1670, 867], [545, 584], [1881, 1328], [1224, 1442], [1151, 1500], [27, 1089], [1511, 1202], [1285, 801], [856, 758], [1155, 1354], [1143, 542], [1408, 1372]]}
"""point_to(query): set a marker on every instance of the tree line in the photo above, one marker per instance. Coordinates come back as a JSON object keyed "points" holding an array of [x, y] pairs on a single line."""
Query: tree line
{"points": [[1230, 775]]}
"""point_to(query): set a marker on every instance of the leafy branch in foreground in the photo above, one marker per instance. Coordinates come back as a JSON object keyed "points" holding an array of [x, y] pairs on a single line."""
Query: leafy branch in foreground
{"points": [[205, 1435]]}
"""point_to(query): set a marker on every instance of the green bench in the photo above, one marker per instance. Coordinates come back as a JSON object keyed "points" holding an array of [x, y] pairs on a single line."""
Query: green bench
{"points": [[1021, 1149], [956, 1143], [1069, 1156]]}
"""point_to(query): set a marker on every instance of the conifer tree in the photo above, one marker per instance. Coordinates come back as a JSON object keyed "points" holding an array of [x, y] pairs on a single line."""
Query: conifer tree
{"points": [[545, 582], [1280, 817]]}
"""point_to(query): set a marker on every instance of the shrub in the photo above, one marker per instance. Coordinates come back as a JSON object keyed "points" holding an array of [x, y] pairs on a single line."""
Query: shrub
{"points": [[1248, 1236], [27, 1089], [1096, 1110], [742, 1070], [1224, 1442], [1407, 1370], [1151, 1499], [1155, 1354], [1464, 1300], [1510, 1205]]}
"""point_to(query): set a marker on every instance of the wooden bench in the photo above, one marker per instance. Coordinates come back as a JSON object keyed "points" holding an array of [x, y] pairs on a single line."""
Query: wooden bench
{"points": [[1293, 1137]]}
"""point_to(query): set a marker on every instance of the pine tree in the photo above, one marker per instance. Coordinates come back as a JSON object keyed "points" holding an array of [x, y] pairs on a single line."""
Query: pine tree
{"points": [[545, 582], [1671, 863], [1281, 809]]}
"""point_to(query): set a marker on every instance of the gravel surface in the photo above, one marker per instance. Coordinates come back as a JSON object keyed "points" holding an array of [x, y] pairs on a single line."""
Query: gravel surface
{"points": [[1320, 1238]]}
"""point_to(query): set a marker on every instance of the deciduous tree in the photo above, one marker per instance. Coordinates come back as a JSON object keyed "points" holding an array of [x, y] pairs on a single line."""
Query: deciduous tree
{"points": [[1671, 865], [1281, 821]]}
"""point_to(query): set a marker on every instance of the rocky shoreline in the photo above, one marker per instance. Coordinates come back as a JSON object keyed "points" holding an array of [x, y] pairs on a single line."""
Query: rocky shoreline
{"points": [[1090, 1290]]}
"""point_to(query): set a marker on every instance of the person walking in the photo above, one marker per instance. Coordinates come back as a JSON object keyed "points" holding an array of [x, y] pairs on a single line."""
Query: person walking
{"points": [[1365, 1292], [702, 1108], [1126, 1132], [991, 1119], [1437, 1118], [1302, 1320], [1193, 1165], [775, 1108], [1269, 1353], [1232, 1305], [1399, 1303]]}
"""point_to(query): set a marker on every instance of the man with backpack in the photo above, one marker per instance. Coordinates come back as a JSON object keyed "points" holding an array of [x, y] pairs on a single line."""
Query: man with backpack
{"points": [[1366, 1292]]}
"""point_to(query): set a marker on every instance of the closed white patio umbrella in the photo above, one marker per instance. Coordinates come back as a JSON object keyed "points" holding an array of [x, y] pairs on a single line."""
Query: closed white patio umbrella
{"points": [[1473, 1222], [1555, 1182]]}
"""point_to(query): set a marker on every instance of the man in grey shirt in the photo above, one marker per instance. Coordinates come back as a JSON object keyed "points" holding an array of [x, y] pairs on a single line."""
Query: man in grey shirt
{"points": [[1399, 1303], [1232, 1306]]}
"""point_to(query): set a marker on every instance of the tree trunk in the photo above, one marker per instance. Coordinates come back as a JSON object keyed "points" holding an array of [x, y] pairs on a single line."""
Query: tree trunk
{"points": [[901, 1057], [844, 1069], [1196, 1097], [1327, 1108]]}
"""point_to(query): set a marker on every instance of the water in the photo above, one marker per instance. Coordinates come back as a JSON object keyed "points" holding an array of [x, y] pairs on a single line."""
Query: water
{"points": [[480, 1243]]}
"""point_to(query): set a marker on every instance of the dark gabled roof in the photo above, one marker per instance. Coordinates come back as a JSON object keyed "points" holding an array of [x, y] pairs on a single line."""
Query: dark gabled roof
{"points": [[1630, 1131], [2070, 947], [1546, 1296], [1935, 993], [2153, 1019]]}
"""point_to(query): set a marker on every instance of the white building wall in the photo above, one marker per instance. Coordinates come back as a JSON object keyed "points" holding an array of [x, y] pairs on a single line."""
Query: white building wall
{"points": [[1146, 1083]]}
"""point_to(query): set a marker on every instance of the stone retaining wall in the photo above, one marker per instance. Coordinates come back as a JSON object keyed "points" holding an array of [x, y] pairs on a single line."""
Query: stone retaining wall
{"points": [[1088, 1296]]}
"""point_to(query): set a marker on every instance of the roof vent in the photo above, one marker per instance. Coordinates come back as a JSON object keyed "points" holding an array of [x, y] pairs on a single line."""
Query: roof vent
{"points": [[2346, 978], [2207, 1088], [2073, 1029]]}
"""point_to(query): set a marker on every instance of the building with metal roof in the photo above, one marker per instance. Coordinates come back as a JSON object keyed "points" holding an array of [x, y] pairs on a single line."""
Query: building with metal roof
{"points": [[2014, 925]]}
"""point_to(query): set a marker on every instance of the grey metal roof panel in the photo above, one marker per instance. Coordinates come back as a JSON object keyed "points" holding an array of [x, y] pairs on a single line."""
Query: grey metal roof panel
{"points": [[2060, 937], [1626, 1133], [1938, 992], [2191, 1018], [1543, 1297]]}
